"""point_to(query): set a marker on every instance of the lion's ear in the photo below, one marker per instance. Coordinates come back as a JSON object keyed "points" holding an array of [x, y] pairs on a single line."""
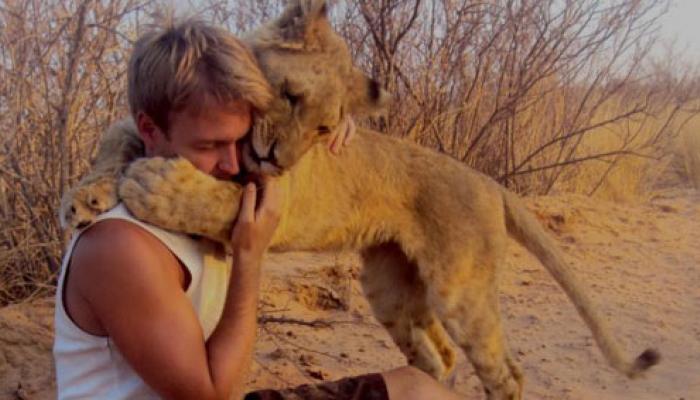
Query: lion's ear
{"points": [[365, 96], [303, 21]]}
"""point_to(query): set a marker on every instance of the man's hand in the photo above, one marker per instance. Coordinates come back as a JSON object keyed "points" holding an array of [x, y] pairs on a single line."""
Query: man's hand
{"points": [[254, 228], [342, 135]]}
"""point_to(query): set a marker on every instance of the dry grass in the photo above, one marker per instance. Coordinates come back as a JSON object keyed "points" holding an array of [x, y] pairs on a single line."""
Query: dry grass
{"points": [[670, 160], [688, 152]]}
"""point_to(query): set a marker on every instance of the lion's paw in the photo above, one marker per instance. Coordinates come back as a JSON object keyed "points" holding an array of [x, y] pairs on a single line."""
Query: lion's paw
{"points": [[80, 205]]}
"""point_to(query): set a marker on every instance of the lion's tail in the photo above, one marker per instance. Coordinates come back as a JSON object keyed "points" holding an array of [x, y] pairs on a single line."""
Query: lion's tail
{"points": [[523, 226]]}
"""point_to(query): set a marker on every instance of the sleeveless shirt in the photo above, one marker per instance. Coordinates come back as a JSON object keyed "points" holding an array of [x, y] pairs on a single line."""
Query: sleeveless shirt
{"points": [[91, 367]]}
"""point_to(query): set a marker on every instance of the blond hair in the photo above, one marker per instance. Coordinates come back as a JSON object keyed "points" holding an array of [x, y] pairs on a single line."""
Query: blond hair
{"points": [[187, 63]]}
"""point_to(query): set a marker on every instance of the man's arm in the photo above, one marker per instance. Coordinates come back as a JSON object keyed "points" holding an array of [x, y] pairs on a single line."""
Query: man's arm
{"points": [[133, 286], [230, 360]]}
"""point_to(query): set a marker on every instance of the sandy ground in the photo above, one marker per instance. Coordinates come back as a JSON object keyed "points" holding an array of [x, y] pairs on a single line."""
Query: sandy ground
{"points": [[641, 261]]}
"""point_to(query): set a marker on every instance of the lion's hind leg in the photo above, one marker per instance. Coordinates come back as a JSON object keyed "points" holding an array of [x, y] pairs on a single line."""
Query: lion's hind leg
{"points": [[398, 299], [471, 315]]}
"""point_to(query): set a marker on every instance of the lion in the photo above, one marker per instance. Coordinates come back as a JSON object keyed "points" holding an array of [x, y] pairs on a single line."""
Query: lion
{"points": [[431, 232]]}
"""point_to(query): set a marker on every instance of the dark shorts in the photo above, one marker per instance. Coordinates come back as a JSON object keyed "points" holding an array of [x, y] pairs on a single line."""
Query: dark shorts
{"points": [[363, 387]]}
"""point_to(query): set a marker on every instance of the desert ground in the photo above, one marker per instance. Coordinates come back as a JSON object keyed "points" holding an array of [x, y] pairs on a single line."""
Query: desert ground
{"points": [[641, 261]]}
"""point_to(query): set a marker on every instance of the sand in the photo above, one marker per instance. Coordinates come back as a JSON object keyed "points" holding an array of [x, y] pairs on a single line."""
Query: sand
{"points": [[640, 261]]}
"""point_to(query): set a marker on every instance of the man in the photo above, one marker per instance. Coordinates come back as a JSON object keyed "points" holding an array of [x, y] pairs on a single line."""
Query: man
{"points": [[145, 313]]}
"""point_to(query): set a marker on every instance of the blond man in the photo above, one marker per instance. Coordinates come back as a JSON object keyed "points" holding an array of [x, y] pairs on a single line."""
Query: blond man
{"points": [[146, 313]]}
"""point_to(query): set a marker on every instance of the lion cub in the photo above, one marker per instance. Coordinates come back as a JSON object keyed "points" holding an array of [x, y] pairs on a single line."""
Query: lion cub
{"points": [[431, 231]]}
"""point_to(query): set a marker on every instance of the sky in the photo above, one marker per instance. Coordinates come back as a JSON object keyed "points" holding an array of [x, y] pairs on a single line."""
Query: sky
{"points": [[682, 23]]}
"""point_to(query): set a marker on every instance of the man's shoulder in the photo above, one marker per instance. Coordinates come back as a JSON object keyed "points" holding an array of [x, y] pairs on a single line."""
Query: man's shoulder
{"points": [[116, 237], [117, 267], [115, 250]]}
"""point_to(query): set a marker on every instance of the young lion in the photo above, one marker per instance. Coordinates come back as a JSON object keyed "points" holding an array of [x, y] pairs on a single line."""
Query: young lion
{"points": [[431, 232]]}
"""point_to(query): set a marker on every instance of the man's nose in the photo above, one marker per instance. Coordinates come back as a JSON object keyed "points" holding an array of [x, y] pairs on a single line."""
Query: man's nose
{"points": [[228, 160]]}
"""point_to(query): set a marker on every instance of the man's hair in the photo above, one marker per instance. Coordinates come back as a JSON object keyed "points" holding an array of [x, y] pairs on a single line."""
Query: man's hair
{"points": [[187, 64]]}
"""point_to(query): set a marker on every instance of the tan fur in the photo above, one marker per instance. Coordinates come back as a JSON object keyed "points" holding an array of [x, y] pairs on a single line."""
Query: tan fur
{"points": [[96, 192], [431, 231]]}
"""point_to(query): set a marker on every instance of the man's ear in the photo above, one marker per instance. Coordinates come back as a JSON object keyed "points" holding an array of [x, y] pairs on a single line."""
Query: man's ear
{"points": [[148, 131], [303, 20]]}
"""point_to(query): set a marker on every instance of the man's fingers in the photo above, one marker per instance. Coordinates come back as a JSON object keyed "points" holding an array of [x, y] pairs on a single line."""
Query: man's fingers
{"points": [[272, 197], [342, 135], [247, 211], [350, 132], [336, 137], [335, 143]]}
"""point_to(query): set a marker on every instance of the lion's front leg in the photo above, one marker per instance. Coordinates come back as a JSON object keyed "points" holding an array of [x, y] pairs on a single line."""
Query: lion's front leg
{"points": [[93, 195], [173, 194], [97, 191]]}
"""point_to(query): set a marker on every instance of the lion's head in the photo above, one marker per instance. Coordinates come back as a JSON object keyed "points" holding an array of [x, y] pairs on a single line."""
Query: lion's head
{"points": [[310, 69]]}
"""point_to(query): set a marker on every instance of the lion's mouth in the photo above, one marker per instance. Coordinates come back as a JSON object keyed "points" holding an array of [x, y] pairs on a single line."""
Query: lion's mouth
{"points": [[253, 166], [268, 164]]}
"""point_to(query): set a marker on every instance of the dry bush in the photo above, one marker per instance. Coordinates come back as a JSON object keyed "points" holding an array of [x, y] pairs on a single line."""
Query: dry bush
{"points": [[633, 175], [691, 155], [684, 163], [62, 81], [542, 95], [522, 90]]}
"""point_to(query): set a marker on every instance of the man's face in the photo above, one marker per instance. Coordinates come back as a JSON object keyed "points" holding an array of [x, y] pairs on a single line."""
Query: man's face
{"points": [[209, 139]]}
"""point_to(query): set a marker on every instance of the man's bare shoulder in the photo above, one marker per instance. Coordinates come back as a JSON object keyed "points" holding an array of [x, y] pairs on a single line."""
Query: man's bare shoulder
{"points": [[113, 243], [116, 256]]}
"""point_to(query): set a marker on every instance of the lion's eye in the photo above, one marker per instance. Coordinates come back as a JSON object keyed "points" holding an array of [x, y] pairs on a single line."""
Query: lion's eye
{"points": [[323, 130], [293, 99], [72, 209], [290, 94], [94, 202]]}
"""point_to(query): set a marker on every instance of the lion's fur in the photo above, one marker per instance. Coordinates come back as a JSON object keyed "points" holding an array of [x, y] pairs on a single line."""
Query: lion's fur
{"points": [[96, 192], [432, 232]]}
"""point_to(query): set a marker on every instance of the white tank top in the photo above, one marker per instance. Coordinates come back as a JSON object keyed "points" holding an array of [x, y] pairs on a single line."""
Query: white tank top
{"points": [[91, 367]]}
